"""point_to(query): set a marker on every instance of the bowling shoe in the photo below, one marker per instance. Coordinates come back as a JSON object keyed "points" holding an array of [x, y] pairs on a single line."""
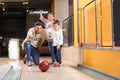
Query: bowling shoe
{"points": [[29, 63], [56, 64]]}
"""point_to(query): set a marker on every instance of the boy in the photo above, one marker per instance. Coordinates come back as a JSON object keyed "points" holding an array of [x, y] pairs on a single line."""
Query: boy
{"points": [[57, 41]]}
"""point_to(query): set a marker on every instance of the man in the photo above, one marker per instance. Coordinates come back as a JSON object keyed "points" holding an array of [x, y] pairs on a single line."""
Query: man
{"points": [[34, 40]]}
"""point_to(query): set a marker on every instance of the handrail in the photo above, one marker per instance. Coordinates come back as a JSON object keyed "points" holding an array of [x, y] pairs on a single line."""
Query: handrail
{"points": [[84, 20], [113, 44], [95, 19], [68, 40], [67, 18], [88, 3]]}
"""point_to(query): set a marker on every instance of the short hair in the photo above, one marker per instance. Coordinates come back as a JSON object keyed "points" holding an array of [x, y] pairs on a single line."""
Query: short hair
{"points": [[51, 13], [56, 22], [37, 24]]}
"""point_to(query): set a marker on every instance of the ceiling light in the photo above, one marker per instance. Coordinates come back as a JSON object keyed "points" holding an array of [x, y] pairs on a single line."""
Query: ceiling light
{"points": [[1, 3], [38, 12], [3, 9], [25, 3], [27, 10]]}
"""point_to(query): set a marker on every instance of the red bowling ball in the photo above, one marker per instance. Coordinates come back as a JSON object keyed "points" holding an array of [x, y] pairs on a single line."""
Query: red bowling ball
{"points": [[44, 66]]}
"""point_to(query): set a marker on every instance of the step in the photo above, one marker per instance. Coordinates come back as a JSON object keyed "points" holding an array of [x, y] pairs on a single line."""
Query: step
{"points": [[97, 75]]}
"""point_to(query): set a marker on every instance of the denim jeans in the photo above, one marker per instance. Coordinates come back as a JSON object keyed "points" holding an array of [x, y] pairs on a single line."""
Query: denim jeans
{"points": [[50, 44], [31, 52], [58, 54]]}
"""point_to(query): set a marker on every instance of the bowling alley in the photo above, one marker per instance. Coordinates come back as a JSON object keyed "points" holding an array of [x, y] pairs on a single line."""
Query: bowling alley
{"points": [[59, 39]]}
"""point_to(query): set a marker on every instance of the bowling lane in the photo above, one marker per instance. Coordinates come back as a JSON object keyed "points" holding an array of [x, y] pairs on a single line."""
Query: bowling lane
{"points": [[54, 73]]}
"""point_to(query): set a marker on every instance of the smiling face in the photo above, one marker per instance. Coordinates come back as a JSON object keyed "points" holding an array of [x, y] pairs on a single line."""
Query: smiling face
{"points": [[50, 16], [38, 28], [56, 24]]}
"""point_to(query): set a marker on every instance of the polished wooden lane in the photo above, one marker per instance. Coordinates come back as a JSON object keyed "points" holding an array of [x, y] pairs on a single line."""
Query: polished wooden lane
{"points": [[54, 73], [64, 72]]}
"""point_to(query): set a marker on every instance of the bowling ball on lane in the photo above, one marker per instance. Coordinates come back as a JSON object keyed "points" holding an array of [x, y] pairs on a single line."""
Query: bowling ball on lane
{"points": [[44, 66]]}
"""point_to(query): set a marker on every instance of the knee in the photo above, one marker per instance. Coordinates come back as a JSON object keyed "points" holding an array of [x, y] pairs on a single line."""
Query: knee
{"points": [[27, 43]]}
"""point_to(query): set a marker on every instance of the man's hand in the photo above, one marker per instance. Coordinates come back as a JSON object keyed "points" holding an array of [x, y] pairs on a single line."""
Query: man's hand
{"points": [[31, 37]]}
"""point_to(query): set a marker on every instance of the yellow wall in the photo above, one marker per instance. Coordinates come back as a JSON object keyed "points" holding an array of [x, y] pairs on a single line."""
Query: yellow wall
{"points": [[106, 60], [106, 23], [90, 27], [75, 22], [99, 21], [81, 28], [103, 22], [84, 2]]}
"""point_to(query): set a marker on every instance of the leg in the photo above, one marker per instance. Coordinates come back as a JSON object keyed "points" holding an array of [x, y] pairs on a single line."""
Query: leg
{"points": [[25, 59], [50, 44], [35, 55], [55, 53], [28, 50], [59, 55]]}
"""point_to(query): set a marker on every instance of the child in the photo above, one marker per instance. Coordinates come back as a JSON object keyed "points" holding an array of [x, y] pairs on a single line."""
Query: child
{"points": [[57, 41], [49, 28]]}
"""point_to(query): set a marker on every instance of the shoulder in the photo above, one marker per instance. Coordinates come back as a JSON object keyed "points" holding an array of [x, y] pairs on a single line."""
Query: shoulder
{"points": [[31, 29], [43, 31]]}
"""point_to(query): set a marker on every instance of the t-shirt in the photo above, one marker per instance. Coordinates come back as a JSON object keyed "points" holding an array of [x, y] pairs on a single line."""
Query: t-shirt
{"points": [[48, 26], [34, 42], [57, 37]]}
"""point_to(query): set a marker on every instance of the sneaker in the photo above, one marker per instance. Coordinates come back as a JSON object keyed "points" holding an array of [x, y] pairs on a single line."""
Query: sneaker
{"points": [[24, 60], [56, 64], [29, 63]]}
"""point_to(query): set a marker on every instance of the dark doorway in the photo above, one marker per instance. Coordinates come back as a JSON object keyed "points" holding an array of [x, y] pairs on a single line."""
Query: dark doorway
{"points": [[13, 24], [116, 16]]}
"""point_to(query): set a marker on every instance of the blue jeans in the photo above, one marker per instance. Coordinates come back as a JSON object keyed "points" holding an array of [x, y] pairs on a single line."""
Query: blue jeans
{"points": [[58, 54], [50, 44], [31, 52]]}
